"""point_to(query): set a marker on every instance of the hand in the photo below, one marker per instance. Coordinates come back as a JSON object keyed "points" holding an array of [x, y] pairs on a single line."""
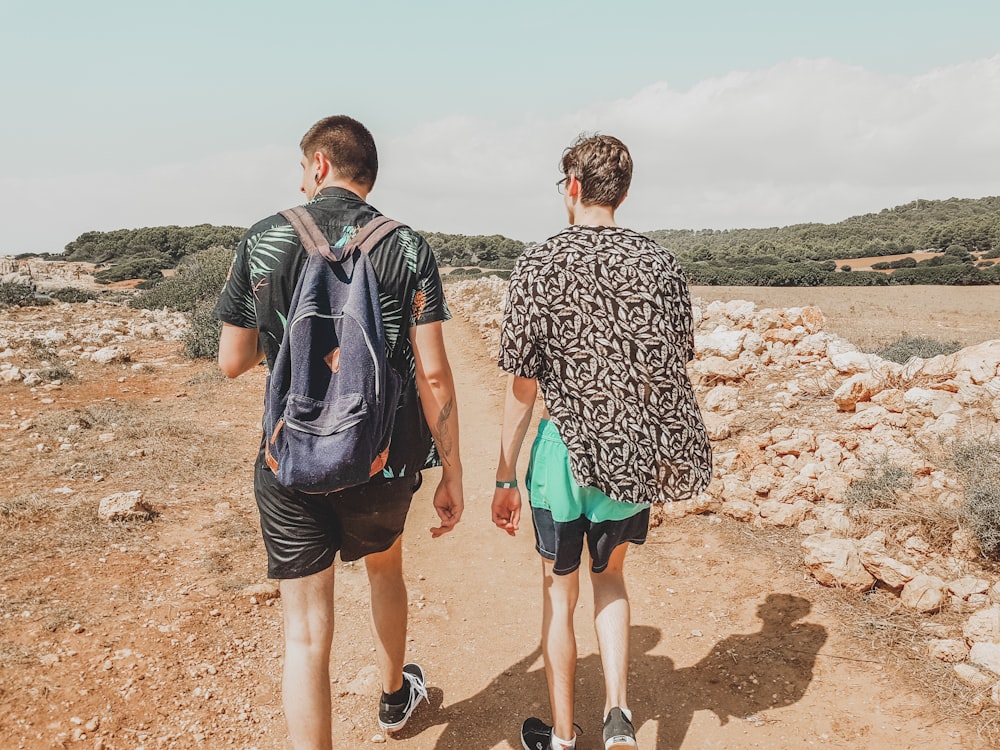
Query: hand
{"points": [[507, 509], [449, 504]]}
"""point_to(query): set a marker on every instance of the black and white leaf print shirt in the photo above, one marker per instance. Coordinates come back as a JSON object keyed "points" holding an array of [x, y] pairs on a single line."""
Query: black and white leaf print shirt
{"points": [[601, 317]]}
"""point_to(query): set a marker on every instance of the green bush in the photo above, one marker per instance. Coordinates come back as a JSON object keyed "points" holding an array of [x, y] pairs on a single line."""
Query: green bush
{"points": [[12, 293], [72, 294], [133, 268], [194, 290], [879, 487], [202, 339], [199, 277], [906, 347], [977, 461]]}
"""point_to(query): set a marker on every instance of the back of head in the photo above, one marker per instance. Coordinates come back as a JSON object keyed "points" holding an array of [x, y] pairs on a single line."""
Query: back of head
{"points": [[603, 166], [347, 145]]}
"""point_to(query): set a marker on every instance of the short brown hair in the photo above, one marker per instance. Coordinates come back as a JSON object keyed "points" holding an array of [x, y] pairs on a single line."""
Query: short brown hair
{"points": [[347, 145], [603, 166]]}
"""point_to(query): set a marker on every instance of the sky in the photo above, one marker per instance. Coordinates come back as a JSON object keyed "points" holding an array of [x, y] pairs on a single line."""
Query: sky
{"points": [[124, 114]]}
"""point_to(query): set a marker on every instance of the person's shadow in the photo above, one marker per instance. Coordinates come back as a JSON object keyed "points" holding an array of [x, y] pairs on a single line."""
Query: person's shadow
{"points": [[741, 676]]}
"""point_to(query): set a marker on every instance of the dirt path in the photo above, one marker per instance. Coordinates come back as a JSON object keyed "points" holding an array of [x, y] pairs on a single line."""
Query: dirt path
{"points": [[146, 636]]}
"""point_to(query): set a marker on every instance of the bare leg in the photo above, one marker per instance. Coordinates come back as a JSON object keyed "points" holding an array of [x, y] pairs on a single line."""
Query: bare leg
{"points": [[307, 610], [388, 613], [560, 594], [611, 621]]}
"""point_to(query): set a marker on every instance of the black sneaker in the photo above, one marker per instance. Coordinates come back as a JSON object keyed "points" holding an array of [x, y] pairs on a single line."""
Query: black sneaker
{"points": [[391, 717], [537, 735], [618, 730]]}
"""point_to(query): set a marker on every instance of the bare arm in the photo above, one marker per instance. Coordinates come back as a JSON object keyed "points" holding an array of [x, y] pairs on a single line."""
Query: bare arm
{"points": [[437, 398], [518, 405], [239, 350]]}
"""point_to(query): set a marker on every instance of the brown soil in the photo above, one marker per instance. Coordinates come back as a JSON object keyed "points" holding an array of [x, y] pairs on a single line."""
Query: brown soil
{"points": [[144, 635]]}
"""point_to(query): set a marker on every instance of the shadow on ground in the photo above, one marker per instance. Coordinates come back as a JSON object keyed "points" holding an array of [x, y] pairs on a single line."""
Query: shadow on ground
{"points": [[742, 675]]}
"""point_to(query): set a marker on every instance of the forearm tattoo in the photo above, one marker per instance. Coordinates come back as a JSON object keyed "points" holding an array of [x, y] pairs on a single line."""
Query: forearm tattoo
{"points": [[441, 434]]}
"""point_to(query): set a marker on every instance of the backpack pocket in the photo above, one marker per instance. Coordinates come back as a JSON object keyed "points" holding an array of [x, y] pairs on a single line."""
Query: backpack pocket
{"points": [[324, 417]]}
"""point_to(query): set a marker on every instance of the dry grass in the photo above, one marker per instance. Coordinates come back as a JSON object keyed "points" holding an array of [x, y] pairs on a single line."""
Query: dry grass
{"points": [[871, 317]]}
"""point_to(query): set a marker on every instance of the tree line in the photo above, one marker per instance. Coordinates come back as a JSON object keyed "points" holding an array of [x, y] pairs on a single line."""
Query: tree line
{"points": [[964, 234]]}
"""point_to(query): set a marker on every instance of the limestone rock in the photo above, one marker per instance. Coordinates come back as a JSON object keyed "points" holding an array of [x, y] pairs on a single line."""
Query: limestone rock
{"points": [[724, 398], [835, 562], [109, 355], [721, 343], [740, 510], [773, 513], [923, 593], [983, 626], [986, 655], [972, 676], [859, 387], [718, 426], [965, 587], [948, 650], [890, 571], [124, 506]]}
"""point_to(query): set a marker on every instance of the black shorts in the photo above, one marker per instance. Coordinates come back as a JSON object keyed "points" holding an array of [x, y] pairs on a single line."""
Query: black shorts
{"points": [[303, 532], [562, 542]]}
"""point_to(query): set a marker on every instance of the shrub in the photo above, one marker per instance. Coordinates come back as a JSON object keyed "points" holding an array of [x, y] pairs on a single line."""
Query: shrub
{"points": [[13, 293], [906, 347], [202, 338], [193, 290], [72, 294], [199, 278], [977, 461], [879, 487], [134, 268], [845, 268]]}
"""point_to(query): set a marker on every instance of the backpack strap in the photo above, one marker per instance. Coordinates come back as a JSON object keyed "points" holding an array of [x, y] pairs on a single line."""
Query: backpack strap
{"points": [[314, 241]]}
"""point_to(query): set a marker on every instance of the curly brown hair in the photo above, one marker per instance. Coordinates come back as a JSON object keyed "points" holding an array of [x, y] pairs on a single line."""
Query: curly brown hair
{"points": [[603, 166]]}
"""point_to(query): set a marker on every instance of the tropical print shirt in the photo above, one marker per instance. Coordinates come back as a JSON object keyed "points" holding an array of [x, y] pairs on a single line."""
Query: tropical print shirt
{"points": [[601, 317], [258, 293]]}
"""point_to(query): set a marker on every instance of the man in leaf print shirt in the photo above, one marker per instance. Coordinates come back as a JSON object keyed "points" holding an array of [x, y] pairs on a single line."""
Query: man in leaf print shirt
{"points": [[599, 318], [304, 532]]}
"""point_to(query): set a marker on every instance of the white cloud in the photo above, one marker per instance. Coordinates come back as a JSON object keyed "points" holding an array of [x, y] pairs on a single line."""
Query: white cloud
{"points": [[806, 140]]}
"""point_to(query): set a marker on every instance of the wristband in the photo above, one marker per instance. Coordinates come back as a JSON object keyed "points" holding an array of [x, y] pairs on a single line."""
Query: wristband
{"points": [[511, 485]]}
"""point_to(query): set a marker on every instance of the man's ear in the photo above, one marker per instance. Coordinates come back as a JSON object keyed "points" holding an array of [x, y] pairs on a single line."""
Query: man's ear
{"points": [[573, 187], [321, 166]]}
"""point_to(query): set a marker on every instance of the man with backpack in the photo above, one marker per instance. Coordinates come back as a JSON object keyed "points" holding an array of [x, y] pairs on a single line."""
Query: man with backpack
{"points": [[349, 386], [599, 318]]}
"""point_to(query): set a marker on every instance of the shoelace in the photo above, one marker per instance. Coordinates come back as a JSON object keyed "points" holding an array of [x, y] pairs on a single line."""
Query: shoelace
{"points": [[417, 685]]}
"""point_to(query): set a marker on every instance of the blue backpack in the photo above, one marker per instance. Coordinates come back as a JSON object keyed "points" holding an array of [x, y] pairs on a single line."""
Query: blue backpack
{"points": [[331, 400]]}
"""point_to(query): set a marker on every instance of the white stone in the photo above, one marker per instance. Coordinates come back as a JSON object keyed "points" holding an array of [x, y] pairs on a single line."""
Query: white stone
{"points": [[923, 593], [983, 626], [849, 363], [721, 343], [890, 571], [986, 655], [972, 676], [109, 355], [967, 586], [724, 398], [123, 506], [835, 562], [948, 650]]}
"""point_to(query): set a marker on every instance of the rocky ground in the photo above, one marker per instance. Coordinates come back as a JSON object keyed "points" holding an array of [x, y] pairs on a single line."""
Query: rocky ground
{"points": [[798, 417], [134, 612]]}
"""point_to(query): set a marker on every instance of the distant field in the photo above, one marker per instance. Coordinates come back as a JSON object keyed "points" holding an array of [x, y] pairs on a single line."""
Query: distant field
{"points": [[865, 264], [869, 316]]}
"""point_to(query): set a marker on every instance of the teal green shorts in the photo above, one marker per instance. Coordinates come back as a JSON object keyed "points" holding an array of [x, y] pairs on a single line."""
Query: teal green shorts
{"points": [[564, 513]]}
